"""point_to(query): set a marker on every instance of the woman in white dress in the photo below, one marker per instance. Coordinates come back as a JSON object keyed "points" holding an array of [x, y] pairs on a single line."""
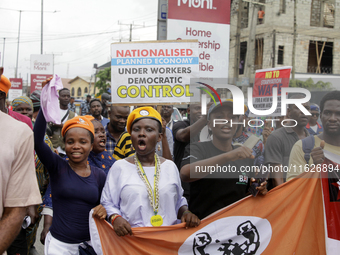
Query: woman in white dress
{"points": [[145, 189]]}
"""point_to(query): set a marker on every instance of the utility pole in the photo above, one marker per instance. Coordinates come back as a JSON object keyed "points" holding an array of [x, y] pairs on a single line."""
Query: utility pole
{"points": [[238, 41], [68, 69], [3, 53], [294, 44], [274, 46], [130, 33], [131, 25], [250, 57], [95, 66], [42, 22], [16, 67]]}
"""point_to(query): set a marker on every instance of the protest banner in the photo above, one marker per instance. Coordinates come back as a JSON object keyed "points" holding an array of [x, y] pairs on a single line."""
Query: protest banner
{"points": [[209, 22], [153, 72], [265, 81], [42, 67], [294, 223], [16, 88]]}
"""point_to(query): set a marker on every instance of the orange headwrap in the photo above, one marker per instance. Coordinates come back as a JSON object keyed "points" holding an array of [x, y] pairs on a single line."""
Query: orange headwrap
{"points": [[5, 84], [89, 117], [79, 121], [142, 112]]}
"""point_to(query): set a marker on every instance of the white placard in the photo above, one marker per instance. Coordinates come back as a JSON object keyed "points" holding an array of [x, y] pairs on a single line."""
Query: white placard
{"points": [[153, 72]]}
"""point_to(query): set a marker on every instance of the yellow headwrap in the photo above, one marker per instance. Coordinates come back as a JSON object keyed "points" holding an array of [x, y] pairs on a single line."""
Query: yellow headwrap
{"points": [[142, 112]]}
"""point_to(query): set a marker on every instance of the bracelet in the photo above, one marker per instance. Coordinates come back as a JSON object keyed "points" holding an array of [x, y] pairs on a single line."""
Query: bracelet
{"points": [[114, 218], [186, 212]]}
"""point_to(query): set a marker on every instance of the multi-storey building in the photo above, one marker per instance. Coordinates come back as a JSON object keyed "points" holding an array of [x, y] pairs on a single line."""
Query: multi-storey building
{"points": [[317, 36]]}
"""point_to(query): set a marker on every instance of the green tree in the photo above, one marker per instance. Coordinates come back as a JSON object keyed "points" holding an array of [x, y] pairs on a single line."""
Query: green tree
{"points": [[309, 84], [103, 83]]}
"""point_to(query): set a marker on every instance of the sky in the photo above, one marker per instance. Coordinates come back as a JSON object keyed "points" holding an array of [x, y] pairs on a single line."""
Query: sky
{"points": [[79, 34]]}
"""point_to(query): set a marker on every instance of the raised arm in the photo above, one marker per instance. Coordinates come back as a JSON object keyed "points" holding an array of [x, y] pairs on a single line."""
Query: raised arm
{"points": [[183, 135], [46, 156]]}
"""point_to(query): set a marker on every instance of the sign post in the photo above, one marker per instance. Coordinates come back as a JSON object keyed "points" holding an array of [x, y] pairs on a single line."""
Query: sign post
{"points": [[16, 88]]}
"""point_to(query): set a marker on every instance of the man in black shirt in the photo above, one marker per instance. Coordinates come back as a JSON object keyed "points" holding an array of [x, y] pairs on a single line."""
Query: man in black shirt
{"points": [[209, 191], [185, 132]]}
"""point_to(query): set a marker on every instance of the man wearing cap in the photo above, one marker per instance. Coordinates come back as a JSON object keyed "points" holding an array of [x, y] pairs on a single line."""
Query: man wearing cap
{"points": [[209, 190], [85, 106], [313, 127], [18, 183]]}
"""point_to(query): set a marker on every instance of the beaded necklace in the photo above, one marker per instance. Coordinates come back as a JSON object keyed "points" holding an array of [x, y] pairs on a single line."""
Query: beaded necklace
{"points": [[156, 220]]}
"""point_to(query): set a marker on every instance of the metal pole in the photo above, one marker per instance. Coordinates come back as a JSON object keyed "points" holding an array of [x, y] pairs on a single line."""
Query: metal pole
{"points": [[16, 68], [250, 56], [274, 46], [42, 19], [130, 33], [3, 53], [95, 81], [294, 44], [237, 41]]}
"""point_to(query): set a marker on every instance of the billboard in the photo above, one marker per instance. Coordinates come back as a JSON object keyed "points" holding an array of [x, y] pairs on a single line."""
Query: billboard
{"points": [[42, 67], [208, 21]]}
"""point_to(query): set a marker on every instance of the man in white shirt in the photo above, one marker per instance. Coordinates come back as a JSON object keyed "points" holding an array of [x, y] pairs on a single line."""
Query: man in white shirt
{"points": [[54, 130]]}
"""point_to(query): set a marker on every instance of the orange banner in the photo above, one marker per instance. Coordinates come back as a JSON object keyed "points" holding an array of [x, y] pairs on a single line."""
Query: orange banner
{"points": [[288, 220]]}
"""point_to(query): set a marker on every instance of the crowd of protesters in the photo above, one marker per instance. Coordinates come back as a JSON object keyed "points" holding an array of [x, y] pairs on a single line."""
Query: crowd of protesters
{"points": [[139, 168]]}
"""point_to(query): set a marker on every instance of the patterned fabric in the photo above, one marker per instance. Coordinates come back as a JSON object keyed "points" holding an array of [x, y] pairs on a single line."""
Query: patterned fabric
{"points": [[72, 107], [124, 147], [43, 180], [35, 97], [31, 231], [42, 173], [101, 160], [258, 149], [110, 141], [85, 108], [21, 100]]}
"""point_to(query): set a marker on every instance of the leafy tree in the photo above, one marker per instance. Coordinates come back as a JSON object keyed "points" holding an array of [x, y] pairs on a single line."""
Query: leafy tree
{"points": [[103, 83], [309, 84]]}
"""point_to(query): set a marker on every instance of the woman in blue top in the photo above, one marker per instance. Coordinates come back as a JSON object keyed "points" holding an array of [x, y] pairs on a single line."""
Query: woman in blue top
{"points": [[76, 186]]}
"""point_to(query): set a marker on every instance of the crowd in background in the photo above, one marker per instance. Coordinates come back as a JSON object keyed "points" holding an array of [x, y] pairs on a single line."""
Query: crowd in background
{"points": [[134, 166]]}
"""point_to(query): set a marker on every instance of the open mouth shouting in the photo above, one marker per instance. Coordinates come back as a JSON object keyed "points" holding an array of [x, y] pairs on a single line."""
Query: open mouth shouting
{"points": [[141, 145], [102, 142]]}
